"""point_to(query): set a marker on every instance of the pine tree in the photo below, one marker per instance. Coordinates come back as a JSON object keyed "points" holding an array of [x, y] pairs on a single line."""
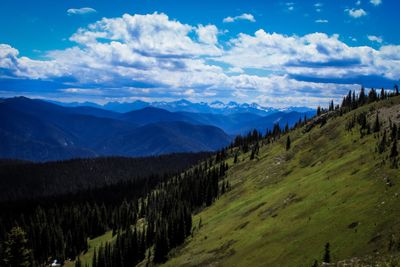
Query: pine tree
{"points": [[288, 143], [383, 95], [17, 253], [160, 246], [377, 125], [318, 110], [393, 151], [94, 259], [327, 254], [362, 98], [382, 144], [331, 106]]}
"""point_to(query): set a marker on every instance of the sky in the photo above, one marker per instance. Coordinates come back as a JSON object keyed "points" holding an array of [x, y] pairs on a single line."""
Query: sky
{"points": [[274, 53]]}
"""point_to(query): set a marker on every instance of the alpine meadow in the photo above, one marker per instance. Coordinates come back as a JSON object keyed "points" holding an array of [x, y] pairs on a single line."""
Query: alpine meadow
{"points": [[199, 133]]}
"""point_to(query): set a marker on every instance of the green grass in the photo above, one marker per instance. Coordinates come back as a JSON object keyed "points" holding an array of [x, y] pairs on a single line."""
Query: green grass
{"points": [[284, 206], [93, 243]]}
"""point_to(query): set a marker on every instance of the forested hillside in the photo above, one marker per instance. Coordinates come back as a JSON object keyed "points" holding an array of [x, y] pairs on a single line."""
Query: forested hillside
{"points": [[325, 191], [26, 180]]}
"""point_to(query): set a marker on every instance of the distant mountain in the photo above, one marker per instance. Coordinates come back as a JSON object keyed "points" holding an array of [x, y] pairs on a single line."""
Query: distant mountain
{"points": [[123, 107], [153, 115], [183, 105], [168, 137], [38, 130]]}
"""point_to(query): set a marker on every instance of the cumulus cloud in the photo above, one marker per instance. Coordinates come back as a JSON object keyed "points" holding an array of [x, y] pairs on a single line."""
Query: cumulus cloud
{"points": [[152, 55], [374, 38], [376, 2], [311, 55], [80, 11], [321, 21], [244, 16], [356, 13], [207, 34]]}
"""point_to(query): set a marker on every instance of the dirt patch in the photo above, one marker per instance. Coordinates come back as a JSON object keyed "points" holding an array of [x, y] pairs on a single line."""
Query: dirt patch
{"points": [[241, 226], [251, 210], [353, 225], [273, 210], [222, 249]]}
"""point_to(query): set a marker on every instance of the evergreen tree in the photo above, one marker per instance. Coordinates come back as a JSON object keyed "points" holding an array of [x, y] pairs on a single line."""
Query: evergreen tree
{"points": [[318, 110], [16, 250], [382, 143], [288, 143], [361, 97], [377, 125], [327, 254], [331, 106], [393, 151], [396, 90], [383, 95], [94, 259], [161, 246]]}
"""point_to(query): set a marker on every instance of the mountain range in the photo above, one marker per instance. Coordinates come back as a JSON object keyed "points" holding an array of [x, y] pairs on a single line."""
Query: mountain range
{"points": [[183, 105], [37, 130]]}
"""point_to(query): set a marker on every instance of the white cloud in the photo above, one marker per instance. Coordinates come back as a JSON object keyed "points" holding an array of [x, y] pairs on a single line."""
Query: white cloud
{"points": [[376, 2], [312, 55], [358, 2], [374, 38], [290, 6], [321, 21], [153, 55], [318, 6], [80, 11], [207, 34], [244, 16], [356, 13]]}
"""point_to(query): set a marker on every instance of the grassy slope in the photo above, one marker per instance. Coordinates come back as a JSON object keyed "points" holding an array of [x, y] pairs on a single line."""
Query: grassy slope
{"points": [[284, 206], [86, 258]]}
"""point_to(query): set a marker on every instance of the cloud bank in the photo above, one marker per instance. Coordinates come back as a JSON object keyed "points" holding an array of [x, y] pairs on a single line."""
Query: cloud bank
{"points": [[153, 56]]}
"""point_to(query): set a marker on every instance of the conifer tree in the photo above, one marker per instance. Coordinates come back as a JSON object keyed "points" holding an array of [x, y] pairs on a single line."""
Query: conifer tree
{"points": [[393, 151], [377, 125], [361, 97], [327, 254], [17, 253], [383, 95], [235, 160], [382, 144], [288, 143]]}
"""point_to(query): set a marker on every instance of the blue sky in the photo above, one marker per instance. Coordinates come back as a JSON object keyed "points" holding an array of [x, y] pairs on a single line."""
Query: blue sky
{"points": [[275, 53]]}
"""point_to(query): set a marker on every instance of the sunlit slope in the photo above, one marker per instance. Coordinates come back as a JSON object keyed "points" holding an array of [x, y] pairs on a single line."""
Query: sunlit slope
{"points": [[331, 186]]}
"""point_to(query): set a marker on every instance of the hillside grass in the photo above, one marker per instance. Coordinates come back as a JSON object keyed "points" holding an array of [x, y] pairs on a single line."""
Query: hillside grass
{"points": [[86, 258], [284, 206]]}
